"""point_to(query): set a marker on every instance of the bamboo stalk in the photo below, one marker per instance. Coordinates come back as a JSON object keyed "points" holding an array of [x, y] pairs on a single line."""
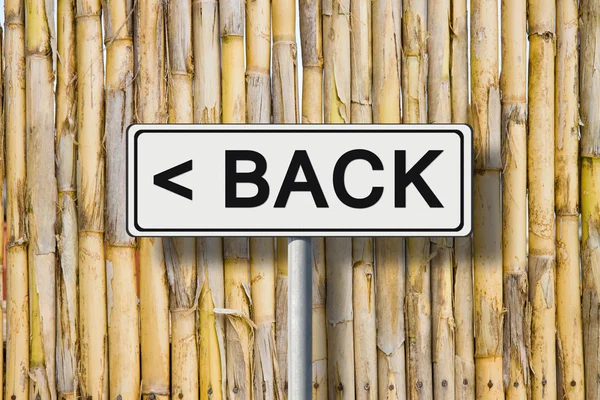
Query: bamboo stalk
{"points": [[319, 321], [207, 69], [336, 58], [540, 163], [389, 304], [154, 301], [90, 196], [266, 380], [281, 311], [311, 36], [209, 253], [67, 356], [340, 333], [365, 324], [239, 329], [514, 199], [285, 78], [232, 47], [418, 301], [2, 178], [464, 362], [258, 61], [589, 86], [487, 216], [17, 309], [361, 62], [122, 300], [42, 197], [568, 283]]}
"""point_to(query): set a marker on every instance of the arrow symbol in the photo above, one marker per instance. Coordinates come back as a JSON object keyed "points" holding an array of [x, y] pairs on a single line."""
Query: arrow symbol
{"points": [[163, 179]]}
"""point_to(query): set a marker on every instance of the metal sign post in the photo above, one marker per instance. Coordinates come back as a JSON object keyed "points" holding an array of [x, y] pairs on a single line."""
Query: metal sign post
{"points": [[299, 318]]}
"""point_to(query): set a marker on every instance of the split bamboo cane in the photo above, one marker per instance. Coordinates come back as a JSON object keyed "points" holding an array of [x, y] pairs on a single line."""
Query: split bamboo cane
{"points": [[258, 61], [311, 36], [361, 62], [281, 311], [232, 46], [319, 321], [2, 178]]}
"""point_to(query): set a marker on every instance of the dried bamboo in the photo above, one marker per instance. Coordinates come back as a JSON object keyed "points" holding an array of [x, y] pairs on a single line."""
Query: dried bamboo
{"points": [[361, 62], [122, 300], [568, 283], [365, 323], [209, 253], [154, 300], [258, 61], [232, 46], [2, 178], [418, 291], [90, 198], [319, 321], [67, 356], [281, 311], [266, 380], [514, 199], [207, 69], [41, 197], [311, 36], [589, 86], [340, 333], [540, 165], [17, 309], [389, 305], [487, 216], [336, 58], [285, 80]]}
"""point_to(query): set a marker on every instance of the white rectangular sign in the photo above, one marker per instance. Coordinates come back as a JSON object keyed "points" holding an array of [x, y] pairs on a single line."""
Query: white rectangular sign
{"points": [[299, 180]]}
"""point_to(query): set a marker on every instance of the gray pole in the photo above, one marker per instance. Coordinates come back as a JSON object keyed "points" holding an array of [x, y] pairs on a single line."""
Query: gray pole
{"points": [[299, 318]]}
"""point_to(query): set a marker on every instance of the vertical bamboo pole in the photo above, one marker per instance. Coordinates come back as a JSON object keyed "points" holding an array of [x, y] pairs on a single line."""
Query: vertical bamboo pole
{"points": [[42, 197], [90, 197], [365, 324], [336, 58], [17, 309], [311, 36], [319, 321], [122, 300], [440, 111], [258, 61], [361, 62], [540, 163], [239, 332], [568, 282], [66, 172], [154, 300], [281, 311], [2, 178], [487, 216], [514, 198], [464, 362], [340, 334], [232, 42], [418, 302], [262, 277], [209, 253], [589, 86]]}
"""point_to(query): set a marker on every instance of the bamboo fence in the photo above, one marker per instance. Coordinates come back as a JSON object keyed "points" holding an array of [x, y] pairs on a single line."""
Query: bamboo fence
{"points": [[91, 313]]}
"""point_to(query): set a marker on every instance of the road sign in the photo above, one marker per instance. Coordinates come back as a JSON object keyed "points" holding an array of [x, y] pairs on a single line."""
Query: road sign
{"points": [[299, 180]]}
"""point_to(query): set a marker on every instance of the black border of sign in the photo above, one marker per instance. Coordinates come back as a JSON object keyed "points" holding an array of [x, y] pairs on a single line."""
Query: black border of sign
{"points": [[257, 130]]}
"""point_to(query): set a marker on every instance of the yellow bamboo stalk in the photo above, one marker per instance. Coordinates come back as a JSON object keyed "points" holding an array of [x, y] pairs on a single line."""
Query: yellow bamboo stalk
{"points": [[487, 216], [122, 300], [232, 46], [154, 300], [258, 61], [361, 62], [340, 332], [207, 69], [209, 253], [514, 199], [285, 80], [540, 164], [66, 172], [418, 303], [17, 309], [42, 197], [568, 283], [336, 58], [2, 177], [319, 321], [311, 36], [281, 311], [266, 380], [589, 86], [363, 307], [389, 304]]}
